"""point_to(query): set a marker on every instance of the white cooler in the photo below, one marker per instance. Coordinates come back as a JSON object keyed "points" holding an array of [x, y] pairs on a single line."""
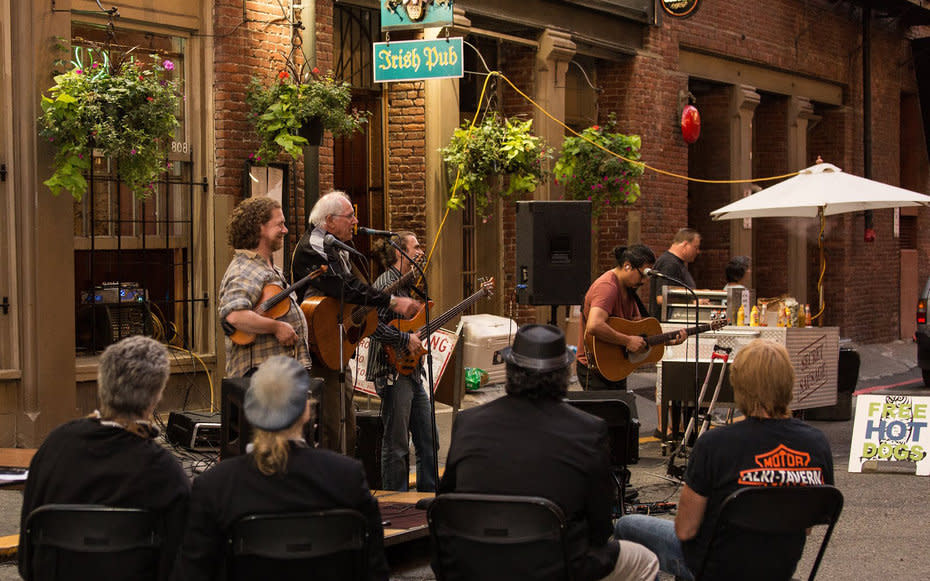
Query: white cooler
{"points": [[485, 334]]}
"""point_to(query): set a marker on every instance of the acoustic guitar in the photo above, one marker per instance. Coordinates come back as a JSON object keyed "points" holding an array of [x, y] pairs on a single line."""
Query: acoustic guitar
{"points": [[273, 304], [614, 362], [358, 322], [406, 361]]}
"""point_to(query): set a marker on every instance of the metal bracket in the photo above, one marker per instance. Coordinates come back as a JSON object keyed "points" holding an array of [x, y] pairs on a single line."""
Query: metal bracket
{"points": [[2, 172], [5, 305]]}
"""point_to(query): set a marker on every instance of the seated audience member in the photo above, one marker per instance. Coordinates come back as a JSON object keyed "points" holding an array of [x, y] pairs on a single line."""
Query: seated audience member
{"points": [[280, 474], [738, 272], [728, 458], [111, 458], [530, 442]]}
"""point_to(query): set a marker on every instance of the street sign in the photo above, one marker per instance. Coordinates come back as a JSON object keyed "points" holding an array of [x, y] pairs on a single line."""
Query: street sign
{"points": [[891, 429], [417, 60], [405, 14]]}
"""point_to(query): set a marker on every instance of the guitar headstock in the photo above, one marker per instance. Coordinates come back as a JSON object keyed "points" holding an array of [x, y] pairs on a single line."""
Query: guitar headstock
{"points": [[487, 285], [718, 324]]}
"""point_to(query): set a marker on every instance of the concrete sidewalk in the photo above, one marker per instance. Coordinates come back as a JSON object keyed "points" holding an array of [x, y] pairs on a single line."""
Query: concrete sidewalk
{"points": [[882, 510]]}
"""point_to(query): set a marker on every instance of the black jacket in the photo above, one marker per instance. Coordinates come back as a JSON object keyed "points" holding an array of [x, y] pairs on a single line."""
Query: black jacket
{"points": [[547, 448]]}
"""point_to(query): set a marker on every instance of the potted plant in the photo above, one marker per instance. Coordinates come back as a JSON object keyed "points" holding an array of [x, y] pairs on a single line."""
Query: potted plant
{"points": [[497, 147], [124, 108], [295, 109], [600, 165]]}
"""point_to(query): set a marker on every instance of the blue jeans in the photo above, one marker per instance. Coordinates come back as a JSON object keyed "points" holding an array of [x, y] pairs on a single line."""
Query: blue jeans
{"points": [[657, 535], [405, 405]]}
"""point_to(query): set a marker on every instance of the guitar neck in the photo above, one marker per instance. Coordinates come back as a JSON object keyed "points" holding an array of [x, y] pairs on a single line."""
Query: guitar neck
{"points": [[671, 335], [445, 317]]}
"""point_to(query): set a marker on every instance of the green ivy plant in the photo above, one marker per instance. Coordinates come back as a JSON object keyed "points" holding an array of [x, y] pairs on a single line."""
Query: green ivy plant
{"points": [[497, 147], [279, 111], [126, 109], [591, 173]]}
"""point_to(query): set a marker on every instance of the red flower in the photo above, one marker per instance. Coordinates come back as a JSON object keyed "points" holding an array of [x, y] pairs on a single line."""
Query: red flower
{"points": [[150, 98], [596, 127], [315, 71], [283, 75]]}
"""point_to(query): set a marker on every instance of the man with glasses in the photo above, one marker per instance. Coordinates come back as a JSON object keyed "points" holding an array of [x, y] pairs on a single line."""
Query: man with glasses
{"points": [[333, 215], [686, 245]]}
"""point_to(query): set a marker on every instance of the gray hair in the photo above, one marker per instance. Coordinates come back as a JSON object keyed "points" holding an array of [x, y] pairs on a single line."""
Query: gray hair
{"points": [[131, 376], [326, 206]]}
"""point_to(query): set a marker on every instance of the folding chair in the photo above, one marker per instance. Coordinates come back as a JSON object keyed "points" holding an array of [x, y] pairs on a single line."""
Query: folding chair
{"points": [[77, 541], [329, 544], [490, 537], [781, 510]]}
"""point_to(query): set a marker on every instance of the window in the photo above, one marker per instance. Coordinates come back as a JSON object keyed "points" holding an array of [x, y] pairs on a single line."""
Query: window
{"points": [[134, 259]]}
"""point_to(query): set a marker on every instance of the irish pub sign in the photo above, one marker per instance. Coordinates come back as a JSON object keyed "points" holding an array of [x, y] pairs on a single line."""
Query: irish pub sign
{"points": [[415, 60], [403, 14]]}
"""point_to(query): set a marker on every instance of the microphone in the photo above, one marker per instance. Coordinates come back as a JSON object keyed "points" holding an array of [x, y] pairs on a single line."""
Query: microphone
{"points": [[373, 232], [330, 240], [656, 274]]}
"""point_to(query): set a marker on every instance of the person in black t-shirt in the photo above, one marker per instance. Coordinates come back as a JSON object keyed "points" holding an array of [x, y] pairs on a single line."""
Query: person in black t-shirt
{"points": [[769, 448], [686, 245]]}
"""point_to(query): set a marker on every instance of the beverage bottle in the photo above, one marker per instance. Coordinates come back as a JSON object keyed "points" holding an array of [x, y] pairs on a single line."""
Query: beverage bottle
{"points": [[741, 316], [763, 316], [807, 315], [754, 316], [780, 321], [787, 317]]}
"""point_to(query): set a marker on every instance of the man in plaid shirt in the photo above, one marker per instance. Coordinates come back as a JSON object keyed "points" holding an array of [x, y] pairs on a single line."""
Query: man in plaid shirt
{"points": [[256, 230]]}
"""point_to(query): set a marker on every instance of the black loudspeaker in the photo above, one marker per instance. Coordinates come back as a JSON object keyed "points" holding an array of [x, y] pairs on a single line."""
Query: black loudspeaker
{"points": [[368, 445], [235, 431], [622, 428], [553, 252]]}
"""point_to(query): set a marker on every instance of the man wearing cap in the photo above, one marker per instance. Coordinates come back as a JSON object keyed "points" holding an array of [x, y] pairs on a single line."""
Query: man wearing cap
{"points": [[280, 474], [530, 442]]}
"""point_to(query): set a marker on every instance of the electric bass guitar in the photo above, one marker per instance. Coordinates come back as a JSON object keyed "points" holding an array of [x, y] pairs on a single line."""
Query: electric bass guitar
{"points": [[614, 362], [405, 361], [273, 304], [358, 322]]}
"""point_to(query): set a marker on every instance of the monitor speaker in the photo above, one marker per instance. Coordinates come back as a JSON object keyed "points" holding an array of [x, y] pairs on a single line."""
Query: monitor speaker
{"points": [[368, 445], [553, 252], [235, 431], [622, 427]]}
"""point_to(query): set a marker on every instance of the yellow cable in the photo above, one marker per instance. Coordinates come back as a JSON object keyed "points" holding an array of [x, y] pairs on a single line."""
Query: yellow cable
{"points": [[204, 365]]}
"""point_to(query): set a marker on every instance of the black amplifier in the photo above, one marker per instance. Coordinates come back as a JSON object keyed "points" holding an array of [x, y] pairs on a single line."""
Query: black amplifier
{"points": [[194, 430]]}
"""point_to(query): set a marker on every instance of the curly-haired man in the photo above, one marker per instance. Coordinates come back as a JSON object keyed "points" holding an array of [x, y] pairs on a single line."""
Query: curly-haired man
{"points": [[256, 230]]}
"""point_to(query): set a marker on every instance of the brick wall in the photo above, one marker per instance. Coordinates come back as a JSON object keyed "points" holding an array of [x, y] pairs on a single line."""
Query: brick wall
{"points": [[406, 157]]}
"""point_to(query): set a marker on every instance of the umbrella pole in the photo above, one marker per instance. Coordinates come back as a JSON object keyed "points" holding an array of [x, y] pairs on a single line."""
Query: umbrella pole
{"points": [[823, 269]]}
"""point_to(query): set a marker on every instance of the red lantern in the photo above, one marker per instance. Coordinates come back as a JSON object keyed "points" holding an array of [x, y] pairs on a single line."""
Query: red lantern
{"points": [[690, 124]]}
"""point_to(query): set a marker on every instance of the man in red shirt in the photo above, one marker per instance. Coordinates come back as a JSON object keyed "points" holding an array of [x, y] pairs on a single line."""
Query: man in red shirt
{"points": [[613, 294]]}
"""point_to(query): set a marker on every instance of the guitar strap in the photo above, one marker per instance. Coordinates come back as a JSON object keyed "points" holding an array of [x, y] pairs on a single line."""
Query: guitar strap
{"points": [[643, 312]]}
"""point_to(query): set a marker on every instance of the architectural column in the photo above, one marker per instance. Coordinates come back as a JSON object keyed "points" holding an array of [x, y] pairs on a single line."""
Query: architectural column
{"points": [[743, 102], [441, 119], [45, 229], [556, 50], [800, 117]]}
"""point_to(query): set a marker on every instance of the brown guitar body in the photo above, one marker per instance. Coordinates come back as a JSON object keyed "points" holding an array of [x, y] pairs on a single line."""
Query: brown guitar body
{"points": [[613, 361], [322, 315], [402, 360]]}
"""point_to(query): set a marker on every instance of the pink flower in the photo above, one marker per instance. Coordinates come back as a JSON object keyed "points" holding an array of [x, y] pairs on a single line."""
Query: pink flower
{"points": [[94, 66], [169, 66], [132, 151], [150, 98], [79, 72]]}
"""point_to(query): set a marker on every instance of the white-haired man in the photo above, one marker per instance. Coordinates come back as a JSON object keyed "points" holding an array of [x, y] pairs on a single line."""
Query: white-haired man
{"points": [[333, 214]]}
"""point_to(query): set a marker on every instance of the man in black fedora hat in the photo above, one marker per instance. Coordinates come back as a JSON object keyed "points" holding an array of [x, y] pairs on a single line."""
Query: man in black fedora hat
{"points": [[530, 442]]}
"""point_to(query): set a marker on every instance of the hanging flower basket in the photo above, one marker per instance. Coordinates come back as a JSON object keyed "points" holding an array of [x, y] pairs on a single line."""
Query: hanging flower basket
{"points": [[127, 110], [498, 150], [281, 111], [588, 172]]}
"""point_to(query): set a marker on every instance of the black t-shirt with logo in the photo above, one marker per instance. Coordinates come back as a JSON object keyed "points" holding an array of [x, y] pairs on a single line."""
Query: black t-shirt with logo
{"points": [[754, 452]]}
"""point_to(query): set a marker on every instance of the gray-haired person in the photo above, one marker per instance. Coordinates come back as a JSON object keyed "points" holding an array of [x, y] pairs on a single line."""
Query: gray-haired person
{"points": [[280, 474], [111, 458]]}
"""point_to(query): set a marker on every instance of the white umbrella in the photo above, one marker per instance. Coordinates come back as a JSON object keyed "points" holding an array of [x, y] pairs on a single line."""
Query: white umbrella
{"points": [[820, 190]]}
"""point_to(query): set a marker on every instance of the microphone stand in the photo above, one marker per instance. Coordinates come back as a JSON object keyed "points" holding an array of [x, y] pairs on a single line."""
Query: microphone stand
{"points": [[342, 364], [697, 357], [429, 363]]}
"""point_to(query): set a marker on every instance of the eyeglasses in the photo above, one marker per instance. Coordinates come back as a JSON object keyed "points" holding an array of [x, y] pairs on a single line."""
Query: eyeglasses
{"points": [[348, 216]]}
